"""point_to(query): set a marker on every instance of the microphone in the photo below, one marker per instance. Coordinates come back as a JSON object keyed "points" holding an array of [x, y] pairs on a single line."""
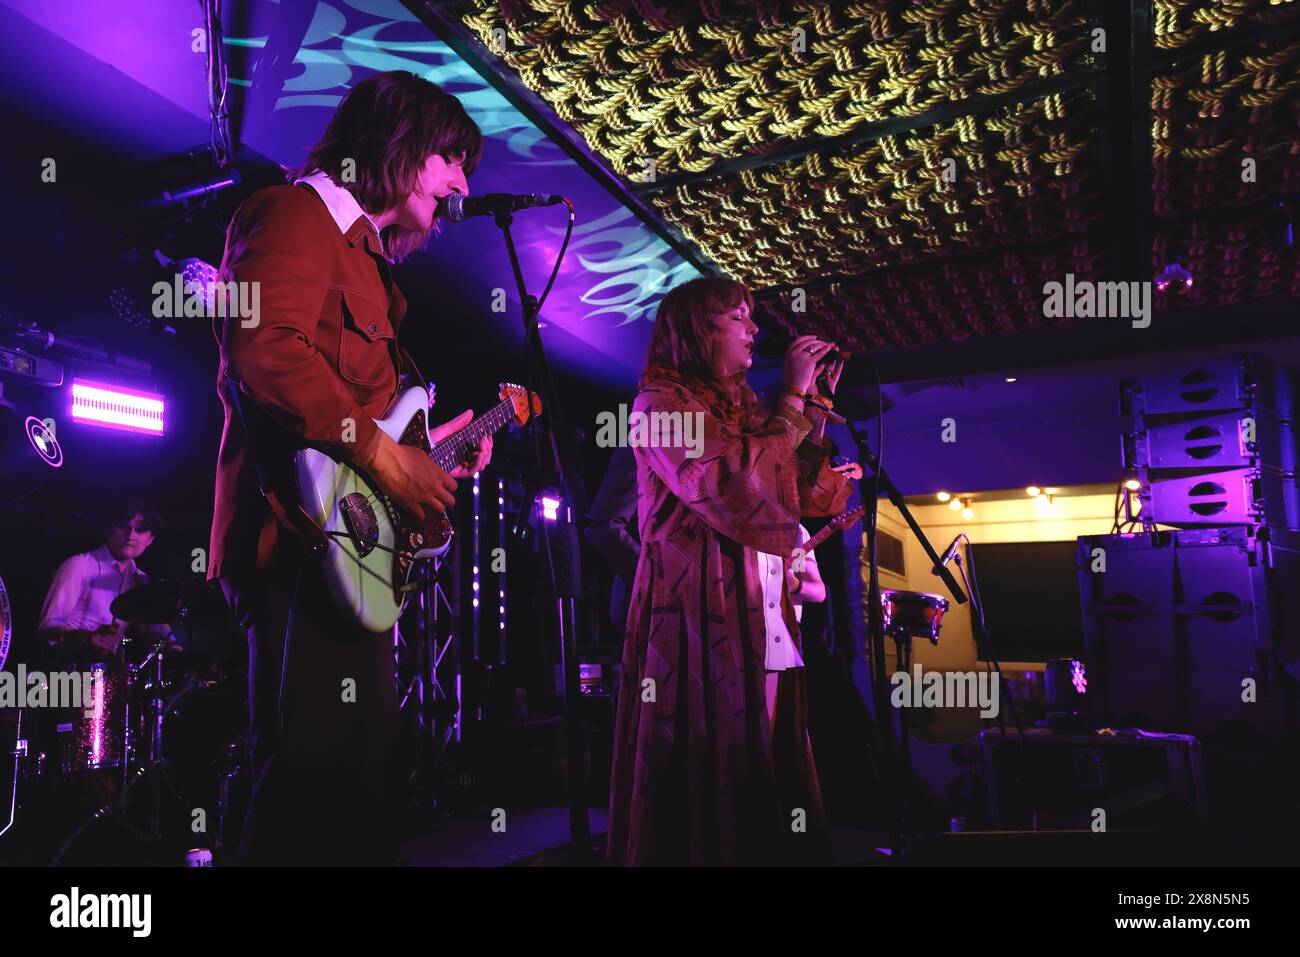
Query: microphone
{"points": [[947, 556], [823, 381], [456, 207]]}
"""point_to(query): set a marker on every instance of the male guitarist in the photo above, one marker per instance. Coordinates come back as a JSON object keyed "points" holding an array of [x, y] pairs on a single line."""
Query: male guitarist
{"points": [[315, 365]]}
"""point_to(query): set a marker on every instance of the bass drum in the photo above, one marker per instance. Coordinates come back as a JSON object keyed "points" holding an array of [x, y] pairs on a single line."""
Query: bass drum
{"points": [[204, 744]]}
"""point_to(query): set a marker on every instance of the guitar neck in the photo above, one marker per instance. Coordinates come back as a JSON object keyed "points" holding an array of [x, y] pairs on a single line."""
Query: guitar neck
{"points": [[449, 453], [838, 523]]}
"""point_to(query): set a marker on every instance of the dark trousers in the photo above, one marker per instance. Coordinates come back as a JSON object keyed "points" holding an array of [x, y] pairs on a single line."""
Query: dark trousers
{"points": [[323, 728]]}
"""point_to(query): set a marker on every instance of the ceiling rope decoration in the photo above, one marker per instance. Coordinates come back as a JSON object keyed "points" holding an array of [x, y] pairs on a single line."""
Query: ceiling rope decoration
{"points": [[1225, 142], [1176, 23], [702, 83], [920, 170], [1013, 177]]}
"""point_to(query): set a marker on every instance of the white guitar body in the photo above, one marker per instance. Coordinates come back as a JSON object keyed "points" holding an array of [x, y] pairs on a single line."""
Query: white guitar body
{"points": [[372, 547], [366, 566]]}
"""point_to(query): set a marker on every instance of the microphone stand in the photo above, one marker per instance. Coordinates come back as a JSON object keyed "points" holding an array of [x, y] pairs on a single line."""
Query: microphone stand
{"points": [[897, 759], [539, 371]]}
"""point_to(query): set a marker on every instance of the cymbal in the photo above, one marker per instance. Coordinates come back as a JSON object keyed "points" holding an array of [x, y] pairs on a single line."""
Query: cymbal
{"points": [[164, 601]]}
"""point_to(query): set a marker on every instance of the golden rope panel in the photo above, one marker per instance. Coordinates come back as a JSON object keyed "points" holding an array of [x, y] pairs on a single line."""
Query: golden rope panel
{"points": [[1175, 23], [686, 93], [996, 294], [970, 185]]}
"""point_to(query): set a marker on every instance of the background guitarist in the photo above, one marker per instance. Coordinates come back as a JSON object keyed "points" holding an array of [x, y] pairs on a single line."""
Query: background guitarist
{"points": [[314, 366]]}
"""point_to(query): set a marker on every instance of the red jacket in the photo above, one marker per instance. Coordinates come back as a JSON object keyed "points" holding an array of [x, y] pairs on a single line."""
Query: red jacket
{"points": [[319, 365]]}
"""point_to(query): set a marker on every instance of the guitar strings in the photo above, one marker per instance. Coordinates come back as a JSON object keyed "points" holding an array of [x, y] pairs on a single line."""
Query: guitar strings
{"points": [[448, 445]]}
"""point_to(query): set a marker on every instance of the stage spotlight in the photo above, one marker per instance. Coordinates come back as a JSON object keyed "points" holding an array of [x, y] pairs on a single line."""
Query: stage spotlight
{"points": [[201, 276], [1011, 378], [114, 407], [943, 496], [1174, 278], [1033, 491], [550, 508]]}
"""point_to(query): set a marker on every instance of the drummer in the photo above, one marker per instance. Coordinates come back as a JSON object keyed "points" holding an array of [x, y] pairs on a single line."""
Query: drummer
{"points": [[76, 622]]}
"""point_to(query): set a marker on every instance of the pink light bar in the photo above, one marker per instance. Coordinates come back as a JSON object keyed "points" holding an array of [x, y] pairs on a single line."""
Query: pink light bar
{"points": [[114, 407]]}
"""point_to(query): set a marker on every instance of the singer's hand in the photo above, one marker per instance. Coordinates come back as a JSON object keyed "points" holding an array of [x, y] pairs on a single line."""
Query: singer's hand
{"points": [[851, 471], [801, 360], [832, 372]]}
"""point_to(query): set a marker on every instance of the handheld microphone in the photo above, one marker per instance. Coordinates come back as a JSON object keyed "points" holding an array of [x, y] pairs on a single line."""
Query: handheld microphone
{"points": [[947, 556], [456, 207], [823, 380]]}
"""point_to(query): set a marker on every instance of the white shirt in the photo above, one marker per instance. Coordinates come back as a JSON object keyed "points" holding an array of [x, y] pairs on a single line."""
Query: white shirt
{"points": [[343, 206], [83, 588], [781, 652]]}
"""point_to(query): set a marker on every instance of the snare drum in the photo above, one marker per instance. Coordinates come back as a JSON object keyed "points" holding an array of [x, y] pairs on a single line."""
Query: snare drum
{"points": [[92, 738], [913, 614]]}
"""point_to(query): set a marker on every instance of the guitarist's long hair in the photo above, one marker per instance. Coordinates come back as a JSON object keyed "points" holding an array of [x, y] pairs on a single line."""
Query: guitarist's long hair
{"points": [[684, 347], [379, 138]]}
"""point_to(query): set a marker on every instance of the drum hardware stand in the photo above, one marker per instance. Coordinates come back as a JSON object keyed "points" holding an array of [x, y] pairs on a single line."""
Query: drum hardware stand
{"points": [[227, 773], [18, 753], [154, 768], [901, 837]]}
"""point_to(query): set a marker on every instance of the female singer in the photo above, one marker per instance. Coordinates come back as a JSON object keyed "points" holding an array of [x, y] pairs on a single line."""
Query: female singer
{"points": [[700, 774]]}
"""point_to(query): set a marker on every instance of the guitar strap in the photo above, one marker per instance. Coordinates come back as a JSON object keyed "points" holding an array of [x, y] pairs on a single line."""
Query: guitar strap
{"points": [[405, 361], [291, 515]]}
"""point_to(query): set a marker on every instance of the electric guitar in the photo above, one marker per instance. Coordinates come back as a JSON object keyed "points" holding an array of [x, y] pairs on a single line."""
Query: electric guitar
{"points": [[837, 524], [373, 546]]}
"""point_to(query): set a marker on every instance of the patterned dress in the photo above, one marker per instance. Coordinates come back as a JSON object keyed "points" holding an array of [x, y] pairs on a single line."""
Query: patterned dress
{"points": [[699, 774]]}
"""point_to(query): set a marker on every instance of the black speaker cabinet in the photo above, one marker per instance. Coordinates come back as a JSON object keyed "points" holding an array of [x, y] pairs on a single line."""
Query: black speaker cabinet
{"points": [[1193, 631]]}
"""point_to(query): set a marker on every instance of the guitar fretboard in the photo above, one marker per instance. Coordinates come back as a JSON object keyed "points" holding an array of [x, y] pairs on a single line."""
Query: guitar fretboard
{"points": [[450, 452], [840, 521]]}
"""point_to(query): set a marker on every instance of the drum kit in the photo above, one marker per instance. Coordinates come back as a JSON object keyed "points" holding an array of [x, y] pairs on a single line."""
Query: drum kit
{"points": [[158, 748]]}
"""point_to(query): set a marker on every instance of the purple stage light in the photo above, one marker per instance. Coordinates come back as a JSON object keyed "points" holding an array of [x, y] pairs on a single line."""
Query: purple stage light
{"points": [[114, 407], [1174, 278], [550, 508], [1078, 677], [203, 278]]}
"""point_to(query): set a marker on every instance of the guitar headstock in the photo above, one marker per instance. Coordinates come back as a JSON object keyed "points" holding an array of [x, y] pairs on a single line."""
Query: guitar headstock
{"points": [[845, 519], [517, 395]]}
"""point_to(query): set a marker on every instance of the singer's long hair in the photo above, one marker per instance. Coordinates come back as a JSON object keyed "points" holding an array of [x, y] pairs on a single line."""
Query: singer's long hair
{"points": [[388, 126], [684, 344]]}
